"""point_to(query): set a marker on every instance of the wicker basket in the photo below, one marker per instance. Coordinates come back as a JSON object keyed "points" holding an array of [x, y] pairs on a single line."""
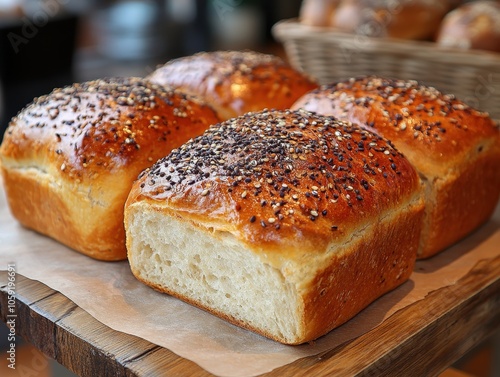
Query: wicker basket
{"points": [[328, 55]]}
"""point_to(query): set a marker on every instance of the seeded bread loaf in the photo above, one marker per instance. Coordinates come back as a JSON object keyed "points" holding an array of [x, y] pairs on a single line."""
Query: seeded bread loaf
{"points": [[235, 82], [68, 160], [284, 223], [455, 148]]}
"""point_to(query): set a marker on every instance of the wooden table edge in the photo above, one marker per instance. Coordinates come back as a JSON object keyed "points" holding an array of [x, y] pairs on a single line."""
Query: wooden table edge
{"points": [[421, 339]]}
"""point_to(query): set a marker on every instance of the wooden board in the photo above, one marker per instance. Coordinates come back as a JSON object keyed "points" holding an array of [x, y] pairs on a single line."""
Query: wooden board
{"points": [[422, 339]]}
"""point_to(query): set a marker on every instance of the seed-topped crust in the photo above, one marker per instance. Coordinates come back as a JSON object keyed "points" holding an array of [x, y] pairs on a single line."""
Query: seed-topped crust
{"points": [[79, 149], [103, 124], [419, 119], [235, 82], [279, 179]]}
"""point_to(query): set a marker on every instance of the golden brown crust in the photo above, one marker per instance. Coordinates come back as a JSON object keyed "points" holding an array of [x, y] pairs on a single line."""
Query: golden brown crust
{"points": [[445, 140], [235, 82], [464, 202], [281, 178], [39, 204], [85, 144], [380, 263]]}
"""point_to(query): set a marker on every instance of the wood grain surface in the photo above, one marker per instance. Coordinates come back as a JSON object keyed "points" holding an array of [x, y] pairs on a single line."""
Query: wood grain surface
{"points": [[420, 340]]}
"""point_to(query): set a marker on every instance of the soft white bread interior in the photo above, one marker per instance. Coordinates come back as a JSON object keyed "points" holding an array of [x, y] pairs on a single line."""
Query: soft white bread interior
{"points": [[284, 223]]}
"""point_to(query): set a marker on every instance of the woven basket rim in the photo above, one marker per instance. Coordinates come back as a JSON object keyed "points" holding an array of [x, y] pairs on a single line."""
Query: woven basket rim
{"points": [[292, 29]]}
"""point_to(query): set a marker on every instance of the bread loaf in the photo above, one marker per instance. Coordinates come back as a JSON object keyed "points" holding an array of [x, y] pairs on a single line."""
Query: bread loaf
{"points": [[472, 26], [284, 223], [455, 148], [235, 82], [68, 160], [405, 19]]}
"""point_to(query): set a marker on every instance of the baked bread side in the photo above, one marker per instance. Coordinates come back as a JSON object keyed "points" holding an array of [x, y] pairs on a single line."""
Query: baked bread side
{"points": [[455, 148], [235, 82], [68, 159], [284, 223]]}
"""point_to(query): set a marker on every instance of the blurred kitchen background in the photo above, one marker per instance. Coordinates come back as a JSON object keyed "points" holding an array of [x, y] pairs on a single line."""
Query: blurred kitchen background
{"points": [[51, 43]]}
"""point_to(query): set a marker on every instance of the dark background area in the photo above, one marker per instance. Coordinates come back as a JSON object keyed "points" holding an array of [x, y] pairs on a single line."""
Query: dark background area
{"points": [[46, 44]]}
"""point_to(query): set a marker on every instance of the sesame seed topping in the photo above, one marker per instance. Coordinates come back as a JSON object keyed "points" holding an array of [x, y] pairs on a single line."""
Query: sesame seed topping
{"points": [[101, 123], [407, 109], [250, 157]]}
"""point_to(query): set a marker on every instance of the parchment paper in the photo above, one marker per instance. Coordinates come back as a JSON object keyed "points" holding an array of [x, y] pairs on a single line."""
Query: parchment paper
{"points": [[110, 293]]}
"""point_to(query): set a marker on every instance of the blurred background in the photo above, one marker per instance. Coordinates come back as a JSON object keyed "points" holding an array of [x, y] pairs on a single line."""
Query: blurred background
{"points": [[51, 43]]}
